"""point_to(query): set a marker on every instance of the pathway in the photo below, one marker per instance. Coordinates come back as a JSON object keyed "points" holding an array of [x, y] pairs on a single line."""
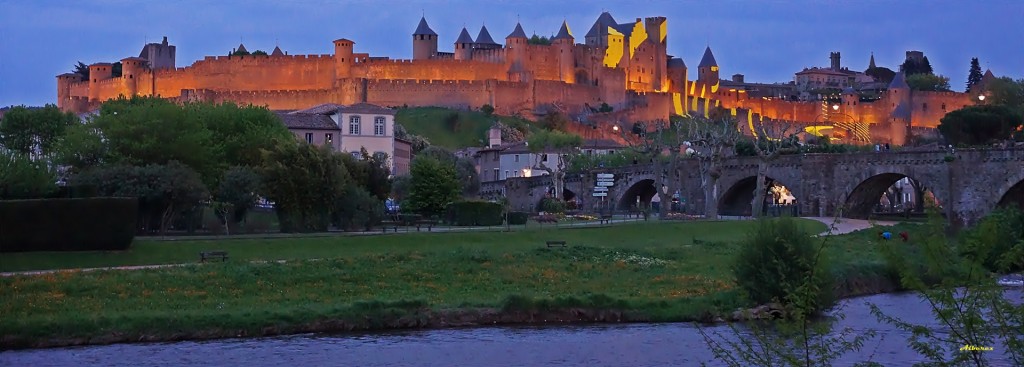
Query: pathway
{"points": [[847, 225]]}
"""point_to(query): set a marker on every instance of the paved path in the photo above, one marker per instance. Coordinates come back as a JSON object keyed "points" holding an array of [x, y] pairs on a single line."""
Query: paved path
{"points": [[846, 225]]}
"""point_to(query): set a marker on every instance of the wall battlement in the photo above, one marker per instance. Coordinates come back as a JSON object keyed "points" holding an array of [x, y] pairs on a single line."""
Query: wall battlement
{"points": [[423, 82]]}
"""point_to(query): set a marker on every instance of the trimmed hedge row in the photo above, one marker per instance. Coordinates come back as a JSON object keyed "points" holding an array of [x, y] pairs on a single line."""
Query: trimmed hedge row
{"points": [[515, 218], [475, 213], [83, 224]]}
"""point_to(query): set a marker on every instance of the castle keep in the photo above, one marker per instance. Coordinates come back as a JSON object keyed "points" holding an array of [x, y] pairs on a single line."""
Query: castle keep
{"points": [[625, 65]]}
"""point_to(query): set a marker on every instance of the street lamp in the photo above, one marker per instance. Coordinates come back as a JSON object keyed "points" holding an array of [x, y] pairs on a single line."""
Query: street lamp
{"points": [[616, 128], [835, 107], [981, 97]]}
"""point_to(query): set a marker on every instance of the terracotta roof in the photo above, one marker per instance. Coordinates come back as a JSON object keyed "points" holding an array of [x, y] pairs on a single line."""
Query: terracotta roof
{"points": [[423, 28], [899, 81], [564, 32], [366, 108], [518, 32], [708, 60], [323, 109], [484, 37], [133, 59], [277, 52], [600, 27], [101, 64], [312, 121], [817, 70], [464, 37], [600, 144], [345, 39]]}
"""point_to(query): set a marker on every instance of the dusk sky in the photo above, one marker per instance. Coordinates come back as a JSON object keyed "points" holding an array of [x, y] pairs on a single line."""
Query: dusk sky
{"points": [[765, 40]]}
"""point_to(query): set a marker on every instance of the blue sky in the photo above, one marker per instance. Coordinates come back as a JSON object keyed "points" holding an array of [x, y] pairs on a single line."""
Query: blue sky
{"points": [[766, 40]]}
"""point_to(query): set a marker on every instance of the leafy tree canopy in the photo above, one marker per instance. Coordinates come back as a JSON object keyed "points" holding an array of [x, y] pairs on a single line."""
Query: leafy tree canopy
{"points": [[34, 131], [979, 125], [928, 82], [433, 186], [538, 40]]}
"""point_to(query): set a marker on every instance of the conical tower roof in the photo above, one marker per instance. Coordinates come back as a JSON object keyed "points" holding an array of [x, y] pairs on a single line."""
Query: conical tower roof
{"points": [[899, 82], [600, 26], [484, 37], [564, 32], [423, 28], [518, 32], [871, 64], [241, 48], [708, 60], [464, 37]]}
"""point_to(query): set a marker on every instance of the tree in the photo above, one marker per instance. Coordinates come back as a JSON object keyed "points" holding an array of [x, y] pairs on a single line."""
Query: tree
{"points": [[34, 131], [304, 182], [23, 178], [974, 75], [912, 66], [545, 144], [712, 139], [259, 53], [82, 70], [465, 168], [239, 190], [881, 74], [242, 52], [960, 293], [979, 125], [1007, 92], [538, 40], [487, 109], [928, 82], [165, 191], [433, 186], [400, 187], [240, 133], [650, 140], [771, 139], [419, 143], [554, 121]]}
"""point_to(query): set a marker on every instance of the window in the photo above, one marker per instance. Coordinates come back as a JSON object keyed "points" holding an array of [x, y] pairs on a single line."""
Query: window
{"points": [[378, 126], [943, 106], [353, 125], [309, 138], [924, 107], [543, 157], [506, 173], [517, 158], [329, 138], [496, 174]]}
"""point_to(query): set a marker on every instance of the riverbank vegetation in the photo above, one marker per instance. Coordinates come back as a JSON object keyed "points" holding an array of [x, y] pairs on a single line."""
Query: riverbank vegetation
{"points": [[665, 271]]}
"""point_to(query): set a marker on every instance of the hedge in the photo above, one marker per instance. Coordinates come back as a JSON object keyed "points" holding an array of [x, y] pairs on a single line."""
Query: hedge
{"points": [[81, 224], [515, 218], [474, 213]]}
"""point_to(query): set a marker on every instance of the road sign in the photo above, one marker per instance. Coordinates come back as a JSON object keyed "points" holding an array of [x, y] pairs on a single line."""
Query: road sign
{"points": [[605, 183], [600, 189], [597, 194], [605, 175]]}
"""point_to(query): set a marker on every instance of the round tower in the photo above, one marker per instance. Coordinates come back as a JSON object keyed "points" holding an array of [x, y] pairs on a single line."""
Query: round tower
{"points": [[564, 43], [424, 41], [515, 45], [131, 68], [343, 58], [464, 46], [98, 72], [64, 82]]}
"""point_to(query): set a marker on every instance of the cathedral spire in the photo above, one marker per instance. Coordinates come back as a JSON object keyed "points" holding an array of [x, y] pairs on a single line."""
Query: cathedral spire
{"points": [[871, 64]]}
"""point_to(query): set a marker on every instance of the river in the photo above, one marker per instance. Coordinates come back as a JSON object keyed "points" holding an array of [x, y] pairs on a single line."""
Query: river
{"points": [[635, 345]]}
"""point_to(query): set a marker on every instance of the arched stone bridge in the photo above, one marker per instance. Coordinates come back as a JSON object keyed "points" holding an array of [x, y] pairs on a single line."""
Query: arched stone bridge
{"points": [[967, 184]]}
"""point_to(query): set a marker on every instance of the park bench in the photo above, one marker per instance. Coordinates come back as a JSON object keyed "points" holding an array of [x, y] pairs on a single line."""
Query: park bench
{"points": [[606, 218], [425, 223], [556, 244], [388, 224], [209, 255]]}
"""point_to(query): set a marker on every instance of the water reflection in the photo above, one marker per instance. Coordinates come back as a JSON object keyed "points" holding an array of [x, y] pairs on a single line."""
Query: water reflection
{"points": [[580, 345]]}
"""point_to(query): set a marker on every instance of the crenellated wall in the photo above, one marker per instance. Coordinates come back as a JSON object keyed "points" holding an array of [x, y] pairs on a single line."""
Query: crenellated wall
{"points": [[462, 94], [430, 70]]}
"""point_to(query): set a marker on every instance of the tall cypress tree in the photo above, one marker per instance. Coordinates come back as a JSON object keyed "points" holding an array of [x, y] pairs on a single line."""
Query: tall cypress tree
{"points": [[974, 76]]}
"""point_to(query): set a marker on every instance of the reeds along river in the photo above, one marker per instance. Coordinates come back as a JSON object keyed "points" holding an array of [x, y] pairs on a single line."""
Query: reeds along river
{"points": [[587, 345]]}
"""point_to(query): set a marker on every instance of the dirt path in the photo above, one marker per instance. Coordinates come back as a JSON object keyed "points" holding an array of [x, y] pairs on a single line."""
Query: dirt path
{"points": [[846, 225]]}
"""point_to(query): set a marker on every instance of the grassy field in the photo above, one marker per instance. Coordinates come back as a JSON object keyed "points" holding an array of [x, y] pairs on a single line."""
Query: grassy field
{"points": [[652, 268], [465, 129]]}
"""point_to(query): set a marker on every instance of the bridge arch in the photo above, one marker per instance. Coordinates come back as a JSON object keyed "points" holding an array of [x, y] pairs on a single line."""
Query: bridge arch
{"points": [[1013, 195], [739, 196], [881, 191], [641, 191]]}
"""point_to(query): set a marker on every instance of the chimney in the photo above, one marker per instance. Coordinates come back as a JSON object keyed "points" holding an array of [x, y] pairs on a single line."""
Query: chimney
{"points": [[494, 137]]}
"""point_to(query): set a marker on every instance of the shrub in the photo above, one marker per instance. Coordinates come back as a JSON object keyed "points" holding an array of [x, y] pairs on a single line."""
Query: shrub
{"points": [[776, 259], [357, 210], [85, 224], [549, 205], [487, 109], [475, 213], [516, 218], [994, 239]]}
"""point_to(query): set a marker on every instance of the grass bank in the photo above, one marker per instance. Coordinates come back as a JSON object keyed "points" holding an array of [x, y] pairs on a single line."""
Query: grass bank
{"points": [[453, 129], [633, 272]]}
